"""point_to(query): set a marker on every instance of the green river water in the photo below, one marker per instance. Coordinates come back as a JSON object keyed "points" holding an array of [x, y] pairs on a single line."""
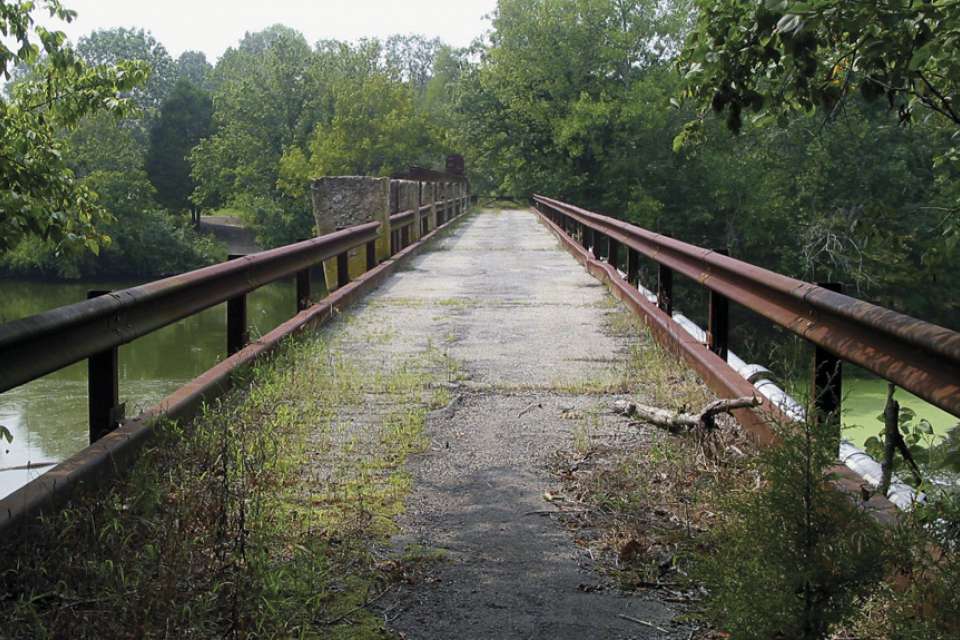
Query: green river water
{"points": [[48, 417]]}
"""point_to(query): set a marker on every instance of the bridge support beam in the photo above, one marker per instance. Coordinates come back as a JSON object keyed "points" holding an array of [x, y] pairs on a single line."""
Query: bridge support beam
{"points": [[633, 267], [718, 333], [303, 290], [613, 253], [429, 199], [237, 337]]}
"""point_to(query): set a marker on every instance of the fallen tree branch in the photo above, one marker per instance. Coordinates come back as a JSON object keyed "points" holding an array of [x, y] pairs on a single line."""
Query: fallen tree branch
{"points": [[675, 422]]}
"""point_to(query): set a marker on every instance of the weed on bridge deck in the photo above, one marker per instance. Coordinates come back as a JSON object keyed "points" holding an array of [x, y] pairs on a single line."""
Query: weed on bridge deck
{"points": [[257, 519]]}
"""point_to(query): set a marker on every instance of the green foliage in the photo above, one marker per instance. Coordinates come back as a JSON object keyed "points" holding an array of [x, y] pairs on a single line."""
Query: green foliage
{"points": [[39, 195], [105, 155], [116, 45], [277, 221], [185, 119], [259, 93], [375, 130], [265, 518], [928, 541], [193, 67], [576, 99], [794, 556], [285, 113], [779, 56]]}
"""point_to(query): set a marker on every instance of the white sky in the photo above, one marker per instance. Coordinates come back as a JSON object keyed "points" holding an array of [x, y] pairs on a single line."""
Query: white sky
{"points": [[212, 26]]}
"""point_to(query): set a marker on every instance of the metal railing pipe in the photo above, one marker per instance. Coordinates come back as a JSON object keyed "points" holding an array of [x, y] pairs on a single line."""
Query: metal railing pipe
{"points": [[918, 356], [43, 343]]}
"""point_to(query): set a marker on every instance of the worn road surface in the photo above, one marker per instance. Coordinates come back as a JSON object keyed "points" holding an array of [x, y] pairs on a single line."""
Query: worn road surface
{"points": [[528, 337]]}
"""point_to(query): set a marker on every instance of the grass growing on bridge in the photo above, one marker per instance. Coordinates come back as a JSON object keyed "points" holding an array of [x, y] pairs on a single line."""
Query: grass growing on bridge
{"points": [[756, 542], [259, 519]]}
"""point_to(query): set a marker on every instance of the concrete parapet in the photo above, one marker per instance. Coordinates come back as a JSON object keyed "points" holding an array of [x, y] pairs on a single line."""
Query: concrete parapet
{"points": [[408, 194], [344, 201], [428, 195]]}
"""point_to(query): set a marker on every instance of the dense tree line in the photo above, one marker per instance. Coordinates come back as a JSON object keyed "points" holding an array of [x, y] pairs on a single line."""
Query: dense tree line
{"points": [[592, 101], [624, 106], [126, 158]]}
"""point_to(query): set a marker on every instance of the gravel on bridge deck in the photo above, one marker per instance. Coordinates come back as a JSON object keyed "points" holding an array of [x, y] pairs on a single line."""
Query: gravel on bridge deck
{"points": [[527, 331]]}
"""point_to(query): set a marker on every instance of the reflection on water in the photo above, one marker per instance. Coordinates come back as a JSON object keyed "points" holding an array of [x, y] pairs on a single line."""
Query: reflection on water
{"points": [[48, 417]]}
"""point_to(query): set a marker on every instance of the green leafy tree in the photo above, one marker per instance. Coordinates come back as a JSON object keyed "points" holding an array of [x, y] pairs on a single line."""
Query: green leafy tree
{"points": [[185, 119], [112, 46], [412, 57], [193, 67], [778, 56], [259, 93], [39, 194], [375, 130]]}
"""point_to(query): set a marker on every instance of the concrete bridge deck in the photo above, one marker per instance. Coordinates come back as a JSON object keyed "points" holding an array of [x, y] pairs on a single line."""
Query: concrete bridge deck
{"points": [[528, 340]]}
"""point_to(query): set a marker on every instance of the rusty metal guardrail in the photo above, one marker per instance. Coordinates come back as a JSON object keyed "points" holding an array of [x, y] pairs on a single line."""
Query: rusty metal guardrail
{"points": [[94, 329], [400, 225], [43, 343], [918, 356]]}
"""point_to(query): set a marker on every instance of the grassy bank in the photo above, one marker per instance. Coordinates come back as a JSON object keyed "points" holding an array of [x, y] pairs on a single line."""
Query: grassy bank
{"points": [[260, 519]]}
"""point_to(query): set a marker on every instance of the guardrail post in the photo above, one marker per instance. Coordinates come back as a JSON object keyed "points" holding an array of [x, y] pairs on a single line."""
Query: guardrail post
{"points": [[718, 335], [665, 289], [613, 253], [303, 289], [590, 241], [827, 387], [343, 271], [633, 267], [103, 389], [236, 321]]}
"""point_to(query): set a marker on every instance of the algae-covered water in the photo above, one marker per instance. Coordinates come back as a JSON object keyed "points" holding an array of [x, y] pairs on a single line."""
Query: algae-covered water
{"points": [[864, 399]]}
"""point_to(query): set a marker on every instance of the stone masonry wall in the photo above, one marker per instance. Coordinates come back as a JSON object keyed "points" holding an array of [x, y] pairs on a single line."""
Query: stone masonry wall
{"points": [[344, 201]]}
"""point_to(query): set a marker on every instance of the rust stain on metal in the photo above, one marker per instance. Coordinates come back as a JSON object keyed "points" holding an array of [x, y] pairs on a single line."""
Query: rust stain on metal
{"points": [[100, 461], [715, 372]]}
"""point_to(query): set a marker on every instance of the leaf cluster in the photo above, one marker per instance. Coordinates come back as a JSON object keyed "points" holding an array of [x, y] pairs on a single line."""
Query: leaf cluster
{"points": [[776, 57], [39, 194]]}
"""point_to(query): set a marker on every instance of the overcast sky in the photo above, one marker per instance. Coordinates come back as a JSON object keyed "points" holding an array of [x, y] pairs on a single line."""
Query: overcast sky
{"points": [[213, 25]]}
